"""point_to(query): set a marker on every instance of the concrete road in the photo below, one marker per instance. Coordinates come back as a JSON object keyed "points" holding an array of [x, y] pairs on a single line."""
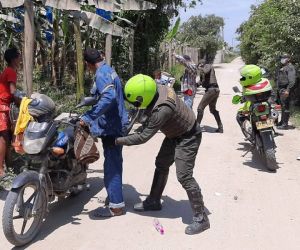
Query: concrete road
{"points": [[249, 208]]}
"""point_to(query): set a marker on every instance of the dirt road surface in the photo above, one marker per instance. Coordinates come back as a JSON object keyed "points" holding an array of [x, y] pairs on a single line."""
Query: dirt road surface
{"points": [[249, 208]]}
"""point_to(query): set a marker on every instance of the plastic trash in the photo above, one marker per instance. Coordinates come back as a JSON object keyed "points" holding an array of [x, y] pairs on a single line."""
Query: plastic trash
{"points": [[159, 228]]}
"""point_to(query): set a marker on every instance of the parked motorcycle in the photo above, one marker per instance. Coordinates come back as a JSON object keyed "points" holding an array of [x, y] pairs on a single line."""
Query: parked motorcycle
{"points": [[256, 119], [51, 170]]}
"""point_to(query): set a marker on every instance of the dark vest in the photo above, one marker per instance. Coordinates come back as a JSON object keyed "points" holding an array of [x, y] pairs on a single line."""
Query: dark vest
{"points": [[183, 118], [282, 77], [210, 80]]}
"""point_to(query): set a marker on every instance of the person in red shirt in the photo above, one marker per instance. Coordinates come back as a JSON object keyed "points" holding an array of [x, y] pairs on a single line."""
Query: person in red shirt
{"points": [[8, 80]]}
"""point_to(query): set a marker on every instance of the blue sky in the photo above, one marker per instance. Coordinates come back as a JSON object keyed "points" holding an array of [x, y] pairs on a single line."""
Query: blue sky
{"points": [[234, 13]]}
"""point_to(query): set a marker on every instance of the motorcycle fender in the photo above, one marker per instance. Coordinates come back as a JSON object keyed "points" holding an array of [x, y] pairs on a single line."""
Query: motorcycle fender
{"points": [[26, 177], [267, 139]]}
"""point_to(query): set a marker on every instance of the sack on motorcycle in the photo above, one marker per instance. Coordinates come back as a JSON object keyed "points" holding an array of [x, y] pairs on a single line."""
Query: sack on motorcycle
{"points": [[85, 148]]}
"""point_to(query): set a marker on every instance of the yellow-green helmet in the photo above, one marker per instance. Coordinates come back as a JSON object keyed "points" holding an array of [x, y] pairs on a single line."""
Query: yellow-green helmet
{"points": [[140, 90], [251, 74]]}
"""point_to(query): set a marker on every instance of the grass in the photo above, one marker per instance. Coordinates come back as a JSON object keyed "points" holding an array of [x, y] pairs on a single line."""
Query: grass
{"points": [[295, 118]]}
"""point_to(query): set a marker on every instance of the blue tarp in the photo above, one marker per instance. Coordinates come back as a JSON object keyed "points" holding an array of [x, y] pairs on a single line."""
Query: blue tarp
{"points": [[105, 14]]}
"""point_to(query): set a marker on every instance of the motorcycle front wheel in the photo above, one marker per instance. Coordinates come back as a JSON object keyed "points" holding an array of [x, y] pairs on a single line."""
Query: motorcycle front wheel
{"points": [[20, 223]]}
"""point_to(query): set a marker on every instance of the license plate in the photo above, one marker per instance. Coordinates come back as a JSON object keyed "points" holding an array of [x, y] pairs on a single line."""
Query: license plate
{"points": [[265, 124]]}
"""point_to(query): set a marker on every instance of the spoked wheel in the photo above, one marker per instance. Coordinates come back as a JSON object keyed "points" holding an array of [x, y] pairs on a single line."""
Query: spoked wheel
{"points": [[20, 223]]}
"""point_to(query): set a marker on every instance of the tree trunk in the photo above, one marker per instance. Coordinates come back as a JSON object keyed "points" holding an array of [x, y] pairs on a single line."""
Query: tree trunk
{"points": [[55, 50], [43, 53], [79, 57], [131, 52], [108, 46], [29, 35], [170, 57]]}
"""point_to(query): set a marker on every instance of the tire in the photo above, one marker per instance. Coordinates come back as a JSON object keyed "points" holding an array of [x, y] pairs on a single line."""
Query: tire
{"points": [[269, 151], [271, 162], [20, 239]]}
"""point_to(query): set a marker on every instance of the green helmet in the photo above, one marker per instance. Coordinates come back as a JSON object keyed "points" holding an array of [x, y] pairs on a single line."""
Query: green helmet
{"points": [[140, 90], [251, 74]]}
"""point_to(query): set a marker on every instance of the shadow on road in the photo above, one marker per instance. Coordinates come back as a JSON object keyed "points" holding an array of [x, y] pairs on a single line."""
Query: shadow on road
{"points": [[66, 211], [208, 129], [171, 208], [256, 161]]}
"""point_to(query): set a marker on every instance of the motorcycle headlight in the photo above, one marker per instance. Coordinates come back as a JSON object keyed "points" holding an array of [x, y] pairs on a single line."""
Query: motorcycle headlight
{"points": [[33, 146]]}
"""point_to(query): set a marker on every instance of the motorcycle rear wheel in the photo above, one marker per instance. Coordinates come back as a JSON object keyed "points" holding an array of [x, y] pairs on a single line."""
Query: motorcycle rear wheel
{"points": [[24, 212], [271, 162]]}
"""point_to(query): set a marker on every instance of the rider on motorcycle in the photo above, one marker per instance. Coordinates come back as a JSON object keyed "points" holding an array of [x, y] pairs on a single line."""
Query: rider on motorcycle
{"points": [[253, 83]]}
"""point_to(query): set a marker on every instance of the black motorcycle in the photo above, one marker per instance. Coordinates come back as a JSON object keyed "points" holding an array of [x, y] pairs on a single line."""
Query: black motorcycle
{"points": [[51, 170]]}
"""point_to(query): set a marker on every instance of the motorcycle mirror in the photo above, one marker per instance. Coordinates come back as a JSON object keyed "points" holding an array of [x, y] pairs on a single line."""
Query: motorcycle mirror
{"points": [[236, 89], [236, 99], [87, 101]]}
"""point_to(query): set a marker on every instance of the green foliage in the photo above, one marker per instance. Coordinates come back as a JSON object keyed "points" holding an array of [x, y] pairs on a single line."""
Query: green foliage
{"points": [[151, 29], [177, 71], [173, 32], [296, 117], [272, 29], [204, 33]]}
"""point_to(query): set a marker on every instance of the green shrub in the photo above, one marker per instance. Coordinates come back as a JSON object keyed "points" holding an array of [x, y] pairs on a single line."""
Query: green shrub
{"points": [[177, 71]]}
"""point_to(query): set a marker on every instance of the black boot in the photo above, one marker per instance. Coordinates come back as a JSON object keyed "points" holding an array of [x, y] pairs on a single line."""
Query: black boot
{"points": [[219, 122], [152, 202], [199, 116], [200, 220], [284, 123]]}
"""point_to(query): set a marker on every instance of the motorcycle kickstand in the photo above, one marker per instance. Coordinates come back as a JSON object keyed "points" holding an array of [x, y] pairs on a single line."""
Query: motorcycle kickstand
{"points": [[251, 148]]}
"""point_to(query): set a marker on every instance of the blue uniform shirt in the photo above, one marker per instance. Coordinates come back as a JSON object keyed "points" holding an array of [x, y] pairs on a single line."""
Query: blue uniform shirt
{"points": [[109, 116]]}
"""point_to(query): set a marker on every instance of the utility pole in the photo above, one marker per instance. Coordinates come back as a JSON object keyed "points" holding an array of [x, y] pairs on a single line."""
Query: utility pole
{"points": [[29, 37]]}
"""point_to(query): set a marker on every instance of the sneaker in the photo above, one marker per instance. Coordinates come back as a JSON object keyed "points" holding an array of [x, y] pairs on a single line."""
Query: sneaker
{"points": [[108, 212]]}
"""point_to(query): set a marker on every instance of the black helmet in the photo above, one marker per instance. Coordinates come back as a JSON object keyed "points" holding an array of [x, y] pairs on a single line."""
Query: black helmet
{"points": [[41, 107]]}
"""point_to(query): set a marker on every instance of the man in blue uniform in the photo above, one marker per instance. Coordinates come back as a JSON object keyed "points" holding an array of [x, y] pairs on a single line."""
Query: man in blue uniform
{"points": [[108, 120]]}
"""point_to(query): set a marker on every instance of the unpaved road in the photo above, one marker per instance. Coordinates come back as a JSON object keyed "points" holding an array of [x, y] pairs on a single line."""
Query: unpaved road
{"points": [[264, 215]]}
